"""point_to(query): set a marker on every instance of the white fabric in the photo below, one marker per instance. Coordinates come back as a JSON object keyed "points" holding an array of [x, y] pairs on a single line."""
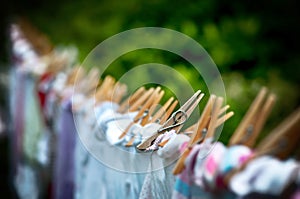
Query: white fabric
{"points": [[171, 149], [206, 147], [26, 183], [161, 138], [115, 129], [59, 82], [263, 175]]}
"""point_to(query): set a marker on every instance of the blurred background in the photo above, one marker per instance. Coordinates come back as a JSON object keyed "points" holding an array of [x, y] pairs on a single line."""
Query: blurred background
{"points": [[254, 44]]}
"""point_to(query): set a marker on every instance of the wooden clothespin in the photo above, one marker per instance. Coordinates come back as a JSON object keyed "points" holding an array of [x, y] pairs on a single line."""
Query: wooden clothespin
{"points": [[75, 75], [90, 83], [251, 125], [102, 92], [254, 120], [131, 99], [212, 117], [108, 91], [168, 112], [176, 121], [136, 105], [283, 140], [225, 117], [155, 101], [118, 92], [220, 121], [141, 111], [56, 63], [191, 128], [161, 111]]}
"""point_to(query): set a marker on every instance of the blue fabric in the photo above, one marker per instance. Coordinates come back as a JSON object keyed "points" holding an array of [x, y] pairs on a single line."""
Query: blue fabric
{"points": [[64, 170], [189, 191]]}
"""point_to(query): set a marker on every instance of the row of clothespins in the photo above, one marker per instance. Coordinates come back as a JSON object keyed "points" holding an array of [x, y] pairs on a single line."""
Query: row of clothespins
{"points": [[282, 141], [144, 101]]}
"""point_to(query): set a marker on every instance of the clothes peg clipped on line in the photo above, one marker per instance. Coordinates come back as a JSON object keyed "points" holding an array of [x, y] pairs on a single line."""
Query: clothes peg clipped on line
{"points": [[254, 120], [75, 75], [211, 118], [176, 121], [251, 126], [131, 99], [284, 139], [145, 120], [118, 92], [141, 111], [102, 92]]}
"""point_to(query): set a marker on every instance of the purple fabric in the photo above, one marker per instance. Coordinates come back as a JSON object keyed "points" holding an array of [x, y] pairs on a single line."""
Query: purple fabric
{"points": [[64, 168], [18, 114], [184, 186], [296, 195]]}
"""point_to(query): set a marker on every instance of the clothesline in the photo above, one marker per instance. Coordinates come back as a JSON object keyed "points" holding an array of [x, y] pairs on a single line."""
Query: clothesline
{"points": [[67, 146]]}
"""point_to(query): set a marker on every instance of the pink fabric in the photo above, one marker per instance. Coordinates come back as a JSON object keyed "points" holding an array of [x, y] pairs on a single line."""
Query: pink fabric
{"points": [[296, 195], [211, 164], [186, 175], [183, 147]]}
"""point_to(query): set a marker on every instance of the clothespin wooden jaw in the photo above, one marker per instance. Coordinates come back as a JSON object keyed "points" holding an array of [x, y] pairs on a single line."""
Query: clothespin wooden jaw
{"points": [[131, 99], [75, 75], [155, 99], [118, 92], [140, 113], [203, 121], [212, 117], [90, 83], [155, 102], [254, 120], [168, 112], [55, 63], [102, 93], [161, 111], [283, 140]]}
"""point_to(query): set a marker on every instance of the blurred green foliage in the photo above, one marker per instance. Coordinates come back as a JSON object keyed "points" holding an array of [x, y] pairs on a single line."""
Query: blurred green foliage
{"points": [[253, 43]]}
